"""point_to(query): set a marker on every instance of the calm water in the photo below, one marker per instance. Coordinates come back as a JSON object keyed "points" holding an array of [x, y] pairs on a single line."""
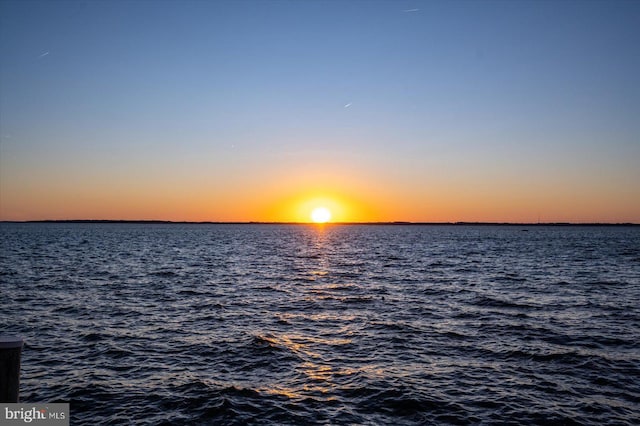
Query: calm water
{"points": [[270, 324]]}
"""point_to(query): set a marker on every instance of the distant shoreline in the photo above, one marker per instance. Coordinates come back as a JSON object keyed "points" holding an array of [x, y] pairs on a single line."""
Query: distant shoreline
{"points": [[396, 223]]}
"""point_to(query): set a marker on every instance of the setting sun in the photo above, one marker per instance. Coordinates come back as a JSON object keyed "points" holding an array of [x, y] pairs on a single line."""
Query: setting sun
{"points": [[321, 215]]}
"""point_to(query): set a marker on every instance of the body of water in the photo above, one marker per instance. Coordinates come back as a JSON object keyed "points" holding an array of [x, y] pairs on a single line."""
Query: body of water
{"points": [[338, 324]]}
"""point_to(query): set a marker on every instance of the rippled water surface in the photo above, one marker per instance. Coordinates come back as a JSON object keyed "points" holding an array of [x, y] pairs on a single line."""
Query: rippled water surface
{"points": [[293, 324]]}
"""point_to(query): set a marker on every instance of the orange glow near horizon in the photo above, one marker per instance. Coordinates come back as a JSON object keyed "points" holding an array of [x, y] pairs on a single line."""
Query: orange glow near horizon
{"points": [[301, 209], [269, 205], [289, 192], [291, 195], [304, 208]]}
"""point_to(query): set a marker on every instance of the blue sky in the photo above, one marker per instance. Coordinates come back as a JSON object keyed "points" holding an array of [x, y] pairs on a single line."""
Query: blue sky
{"points": [[536, 102]]}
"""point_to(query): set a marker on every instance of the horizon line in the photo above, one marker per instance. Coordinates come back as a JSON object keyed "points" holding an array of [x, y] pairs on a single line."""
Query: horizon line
{"points": [[185, 222]]}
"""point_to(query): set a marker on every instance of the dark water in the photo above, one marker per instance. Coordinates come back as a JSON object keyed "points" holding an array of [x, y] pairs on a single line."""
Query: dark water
{"points": [[269, 324]]}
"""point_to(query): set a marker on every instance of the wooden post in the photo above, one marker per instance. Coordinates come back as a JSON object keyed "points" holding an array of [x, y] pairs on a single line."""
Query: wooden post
{"points": [[10, 350]]}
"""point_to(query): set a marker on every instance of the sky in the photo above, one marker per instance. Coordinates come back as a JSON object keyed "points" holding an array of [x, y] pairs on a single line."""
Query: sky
{"points": [[423, 111]]}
